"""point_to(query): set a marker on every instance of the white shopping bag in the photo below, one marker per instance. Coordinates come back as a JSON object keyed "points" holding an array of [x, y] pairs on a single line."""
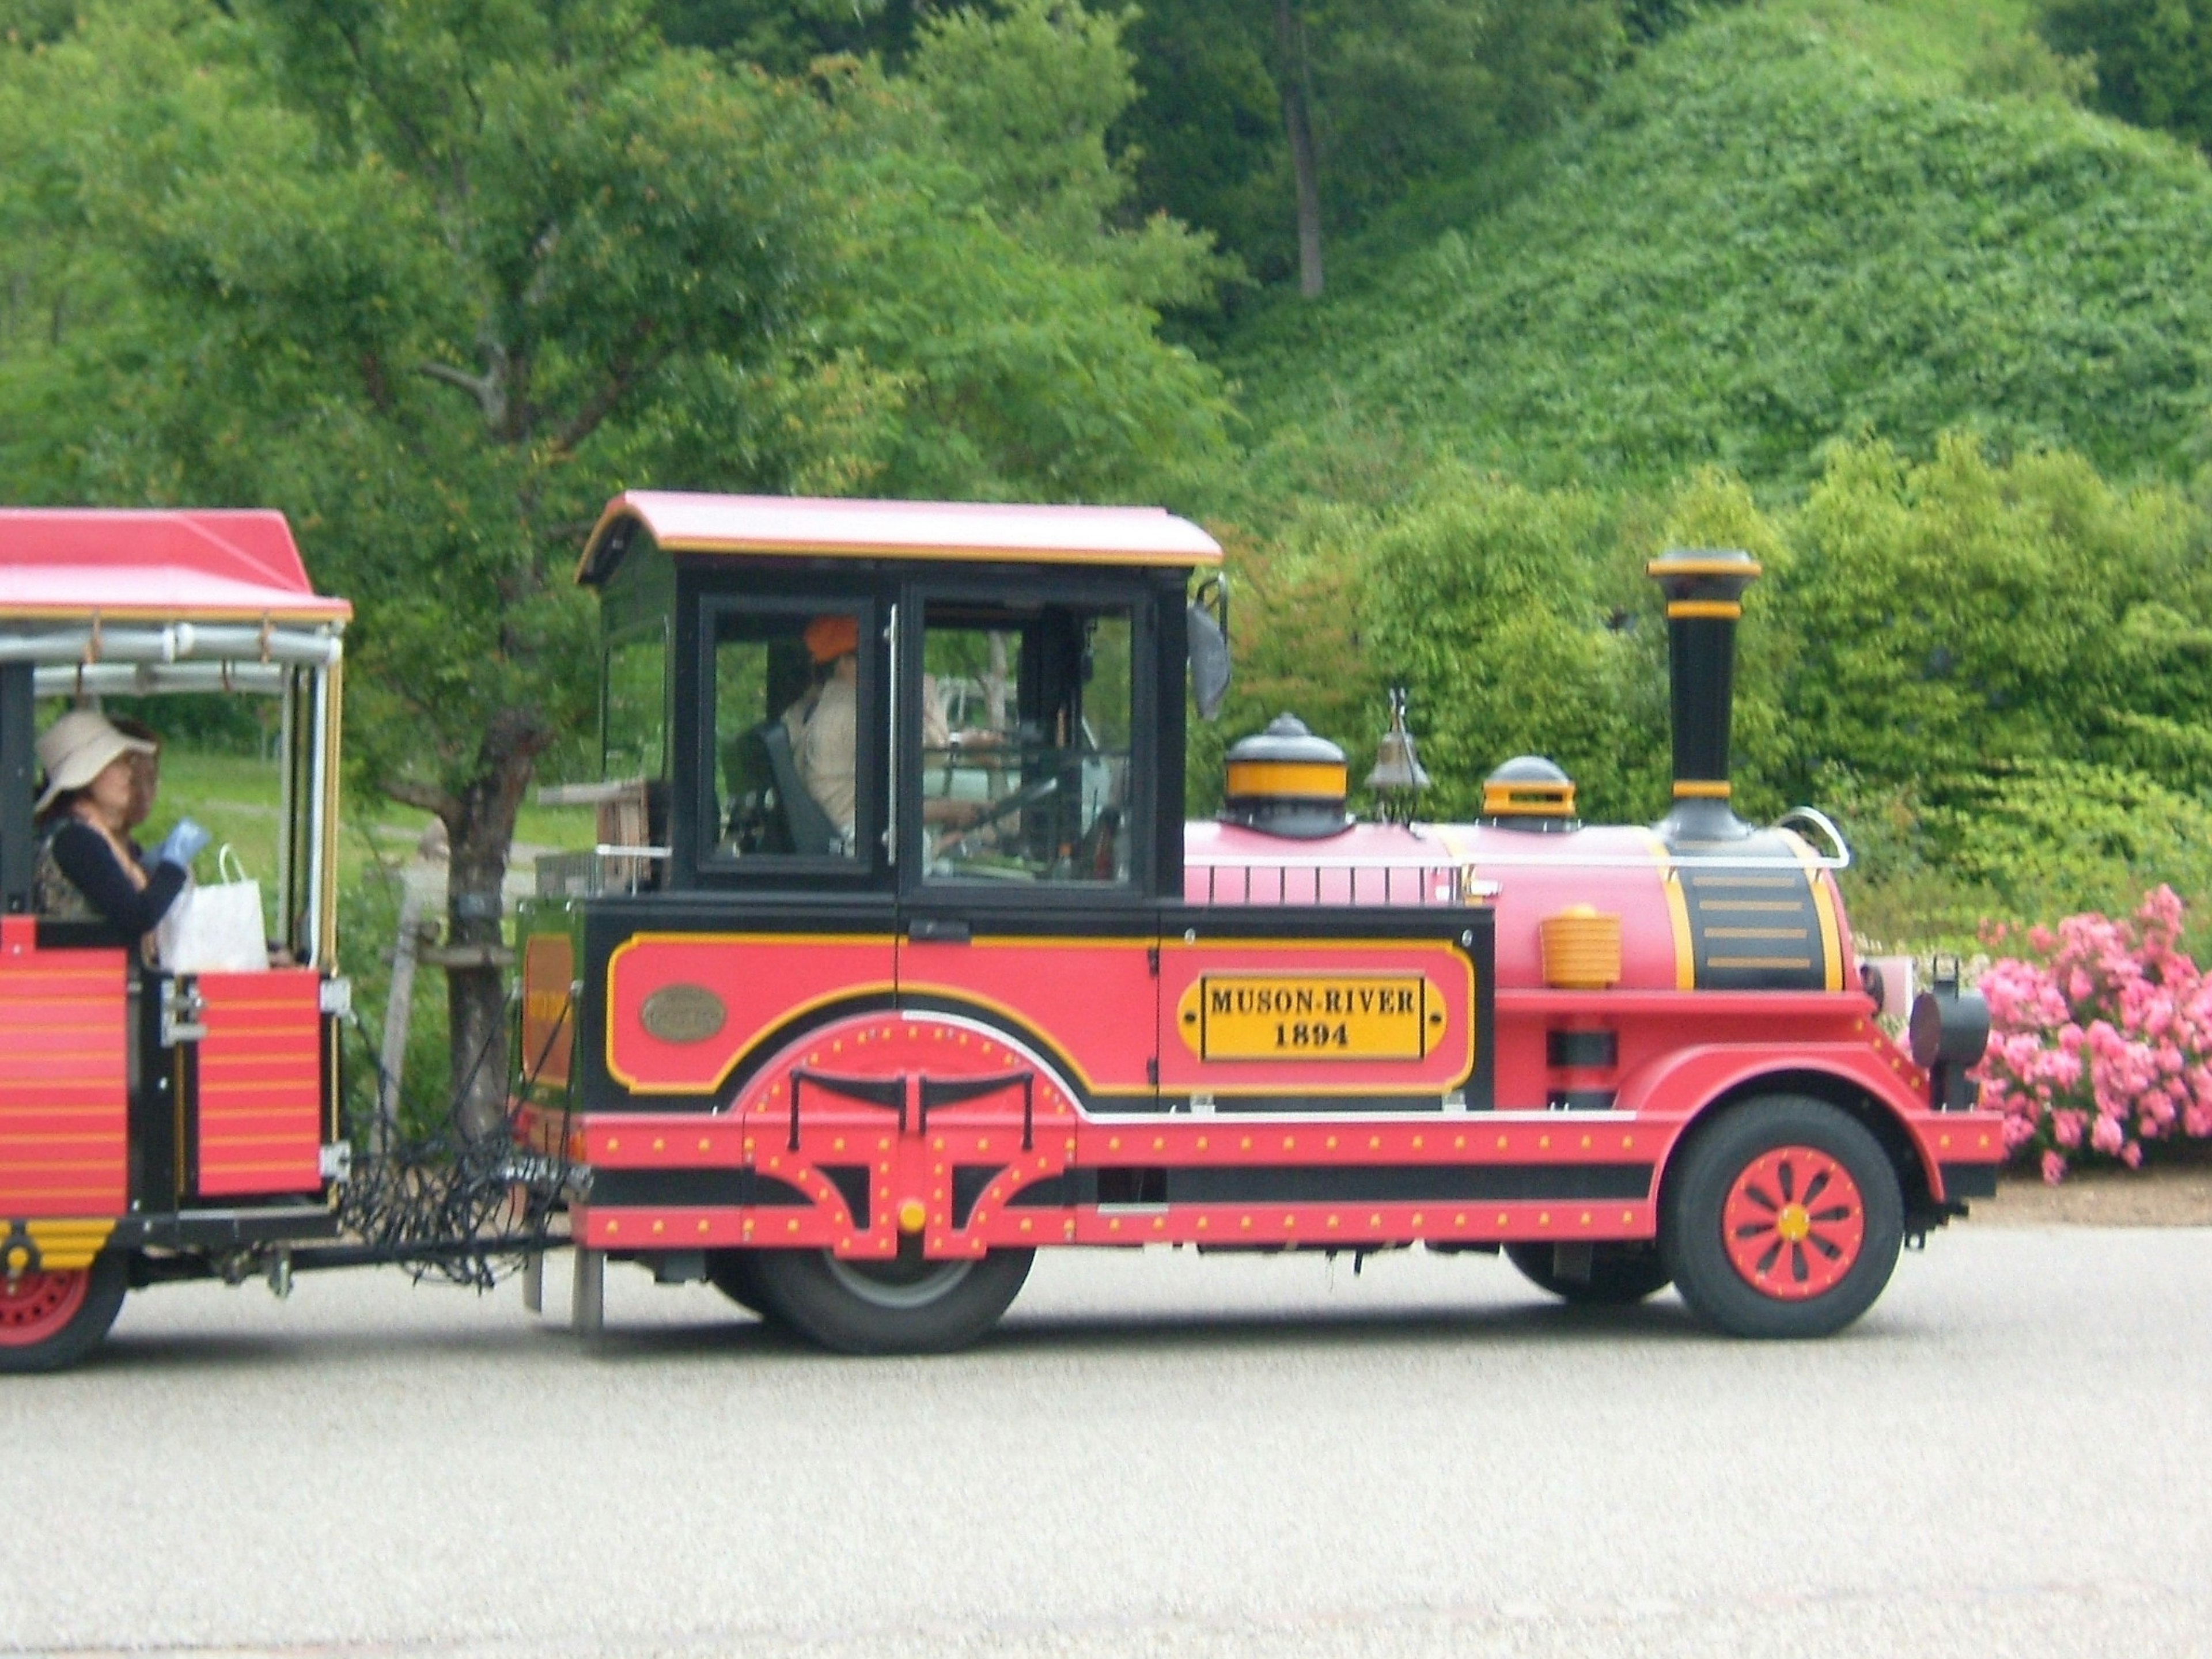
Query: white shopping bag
{"points": [[216, 930]]}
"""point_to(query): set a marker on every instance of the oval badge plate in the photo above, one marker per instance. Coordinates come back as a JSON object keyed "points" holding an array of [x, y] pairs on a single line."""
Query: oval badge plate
{"points": [[682, 1014]]}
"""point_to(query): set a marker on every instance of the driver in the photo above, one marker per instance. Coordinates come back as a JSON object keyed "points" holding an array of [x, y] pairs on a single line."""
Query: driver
{"points": [[823, 726]]}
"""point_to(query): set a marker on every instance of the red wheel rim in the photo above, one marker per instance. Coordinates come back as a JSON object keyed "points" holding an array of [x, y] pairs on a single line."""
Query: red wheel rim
{"points": [[1793, 1223], [34, 1307]]}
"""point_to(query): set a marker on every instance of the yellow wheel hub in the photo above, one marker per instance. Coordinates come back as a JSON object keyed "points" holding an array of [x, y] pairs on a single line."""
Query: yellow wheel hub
{"points": [[1793, 1224]]}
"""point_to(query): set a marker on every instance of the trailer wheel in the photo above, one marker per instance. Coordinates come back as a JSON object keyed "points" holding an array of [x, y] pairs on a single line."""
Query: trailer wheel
{"points": [[1620, 1274], [736, 1274], [909, 1304], [1783, 1218], [51, 1320]]}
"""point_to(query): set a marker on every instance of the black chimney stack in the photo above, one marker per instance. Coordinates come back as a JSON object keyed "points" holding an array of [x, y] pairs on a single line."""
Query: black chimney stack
{"points": [[1705, 597]]}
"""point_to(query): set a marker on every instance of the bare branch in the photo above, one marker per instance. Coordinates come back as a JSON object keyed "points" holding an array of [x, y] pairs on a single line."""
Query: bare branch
{"points": [[423, 797], [488, 388]]}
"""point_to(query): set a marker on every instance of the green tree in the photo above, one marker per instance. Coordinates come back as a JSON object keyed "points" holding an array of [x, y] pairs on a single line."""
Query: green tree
{"points": [[437, 279]]}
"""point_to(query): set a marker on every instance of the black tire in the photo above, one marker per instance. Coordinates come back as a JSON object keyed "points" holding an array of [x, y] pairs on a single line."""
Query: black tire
{"points": [[736, 1274], [1619, 1275], [908, 1305], [1692, 1235], [109, 1280]]}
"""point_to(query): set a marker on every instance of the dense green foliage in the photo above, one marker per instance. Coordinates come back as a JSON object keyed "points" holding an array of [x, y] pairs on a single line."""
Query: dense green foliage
{"points": [[2152, 58], [1403, 92], [1761, 239]]}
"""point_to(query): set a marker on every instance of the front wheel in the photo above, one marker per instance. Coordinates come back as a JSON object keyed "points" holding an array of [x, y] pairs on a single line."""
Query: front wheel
{"points": [[1620, 1274], [908, 1304], [51, 1319], [1783, 1218]]}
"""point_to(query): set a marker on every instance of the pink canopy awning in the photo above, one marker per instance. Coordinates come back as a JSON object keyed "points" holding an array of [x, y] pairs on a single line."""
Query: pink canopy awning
{"points": [[817, 527], [155, 565]]}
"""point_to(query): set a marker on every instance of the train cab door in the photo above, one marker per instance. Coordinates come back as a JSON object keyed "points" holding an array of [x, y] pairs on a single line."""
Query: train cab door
{"points": [[778, 914], [1028, 934]]}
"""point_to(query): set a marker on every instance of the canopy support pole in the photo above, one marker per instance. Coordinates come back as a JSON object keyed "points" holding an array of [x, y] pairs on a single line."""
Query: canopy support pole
{"points": [[18, 733]]}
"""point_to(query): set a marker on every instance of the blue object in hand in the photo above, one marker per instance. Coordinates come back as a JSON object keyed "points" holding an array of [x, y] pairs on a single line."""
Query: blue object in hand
{"points": [[183, 846]]}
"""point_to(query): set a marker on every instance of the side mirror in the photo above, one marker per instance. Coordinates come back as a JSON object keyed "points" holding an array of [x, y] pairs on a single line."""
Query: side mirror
{"points": [[1209, 648]]}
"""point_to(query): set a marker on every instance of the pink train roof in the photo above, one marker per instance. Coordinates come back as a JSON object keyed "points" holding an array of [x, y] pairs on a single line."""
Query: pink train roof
{"points": [[157, 564], [815, 527]]}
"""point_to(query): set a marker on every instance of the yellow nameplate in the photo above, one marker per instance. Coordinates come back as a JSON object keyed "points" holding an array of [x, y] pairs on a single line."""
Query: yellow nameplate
{"points": [[1310, 1017]]}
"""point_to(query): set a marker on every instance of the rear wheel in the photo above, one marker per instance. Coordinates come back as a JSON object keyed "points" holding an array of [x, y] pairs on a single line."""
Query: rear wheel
{"points": [[908, 1304], [1618, 1273], [50, 1320], [1783, 1218]]}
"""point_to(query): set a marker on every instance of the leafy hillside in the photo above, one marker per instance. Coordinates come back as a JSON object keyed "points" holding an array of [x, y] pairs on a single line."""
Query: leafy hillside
{"points": [[1764, 234]]}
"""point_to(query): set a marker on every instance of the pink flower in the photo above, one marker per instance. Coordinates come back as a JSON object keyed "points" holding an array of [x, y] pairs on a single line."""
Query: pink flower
{"points": [[2054, 1168]]}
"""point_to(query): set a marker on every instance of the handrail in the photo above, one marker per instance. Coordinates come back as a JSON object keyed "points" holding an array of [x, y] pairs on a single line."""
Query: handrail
{"points": [[1841, 857]]}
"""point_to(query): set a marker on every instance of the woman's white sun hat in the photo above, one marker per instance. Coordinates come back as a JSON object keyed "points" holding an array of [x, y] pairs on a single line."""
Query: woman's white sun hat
{"points": [[77, 748]]}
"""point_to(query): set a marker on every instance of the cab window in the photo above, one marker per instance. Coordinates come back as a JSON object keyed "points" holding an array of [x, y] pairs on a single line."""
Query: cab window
{"points": [[1025, 743], [788, 719], [634, 705]]}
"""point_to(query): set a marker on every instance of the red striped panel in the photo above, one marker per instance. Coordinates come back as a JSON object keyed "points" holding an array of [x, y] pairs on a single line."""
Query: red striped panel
{"points": [[65, 1073], [260, 1084]]}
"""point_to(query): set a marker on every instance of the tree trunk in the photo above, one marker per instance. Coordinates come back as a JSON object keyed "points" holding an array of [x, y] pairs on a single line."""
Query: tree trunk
{"points": [[1297, 124], [480, 829]]}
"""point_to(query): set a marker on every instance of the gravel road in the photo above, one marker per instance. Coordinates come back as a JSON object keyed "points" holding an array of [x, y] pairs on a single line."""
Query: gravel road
{"points": [[1159, 1453]]}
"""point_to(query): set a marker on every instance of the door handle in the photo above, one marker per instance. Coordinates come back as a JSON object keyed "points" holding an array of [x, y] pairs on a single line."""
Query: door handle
{"points": [[937, 930]]}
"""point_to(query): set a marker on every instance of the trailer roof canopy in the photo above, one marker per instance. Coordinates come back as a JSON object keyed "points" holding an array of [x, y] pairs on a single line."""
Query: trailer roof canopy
{"points": [[812, 528], [112, 565]]}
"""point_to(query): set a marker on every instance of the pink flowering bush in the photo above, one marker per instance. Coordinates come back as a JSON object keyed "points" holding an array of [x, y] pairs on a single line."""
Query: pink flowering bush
{"points": [[2100, 1038]]}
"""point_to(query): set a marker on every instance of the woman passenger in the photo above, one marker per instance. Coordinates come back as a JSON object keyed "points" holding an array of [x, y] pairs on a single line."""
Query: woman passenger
{"points": [[87, 866]]}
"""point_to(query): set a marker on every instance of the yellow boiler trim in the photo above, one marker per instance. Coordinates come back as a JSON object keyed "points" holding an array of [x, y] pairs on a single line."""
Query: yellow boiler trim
{"points": [[1824, 907], [1534, 800], [1678, 916], [1701, 789], [1320, 780]]}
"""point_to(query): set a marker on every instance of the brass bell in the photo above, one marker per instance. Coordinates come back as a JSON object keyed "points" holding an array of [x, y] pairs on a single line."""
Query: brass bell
{"points": [[1398, 777]]}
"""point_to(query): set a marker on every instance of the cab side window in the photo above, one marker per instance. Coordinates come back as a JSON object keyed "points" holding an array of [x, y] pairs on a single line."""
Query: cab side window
{"points": [[1026, 743], [785, 702]]}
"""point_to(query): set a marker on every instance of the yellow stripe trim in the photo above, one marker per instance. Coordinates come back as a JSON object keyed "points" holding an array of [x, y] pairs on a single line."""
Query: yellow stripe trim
{"points": [[1702, 568], [1700, 789], [1320, 780], [1725, 610], [1678, 916], [66, 1245], [1539, 800]]}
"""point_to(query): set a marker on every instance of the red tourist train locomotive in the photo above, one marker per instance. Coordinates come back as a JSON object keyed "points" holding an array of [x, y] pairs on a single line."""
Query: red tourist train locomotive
{"points": [[898, 960]]}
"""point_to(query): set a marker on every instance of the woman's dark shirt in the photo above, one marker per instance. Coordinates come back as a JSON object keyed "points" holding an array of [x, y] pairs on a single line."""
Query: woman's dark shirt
{"points": [[85, 857]]}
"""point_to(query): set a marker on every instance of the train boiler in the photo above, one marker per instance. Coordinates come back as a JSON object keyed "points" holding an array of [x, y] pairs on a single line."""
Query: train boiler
{"points": [[898, 961]]}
